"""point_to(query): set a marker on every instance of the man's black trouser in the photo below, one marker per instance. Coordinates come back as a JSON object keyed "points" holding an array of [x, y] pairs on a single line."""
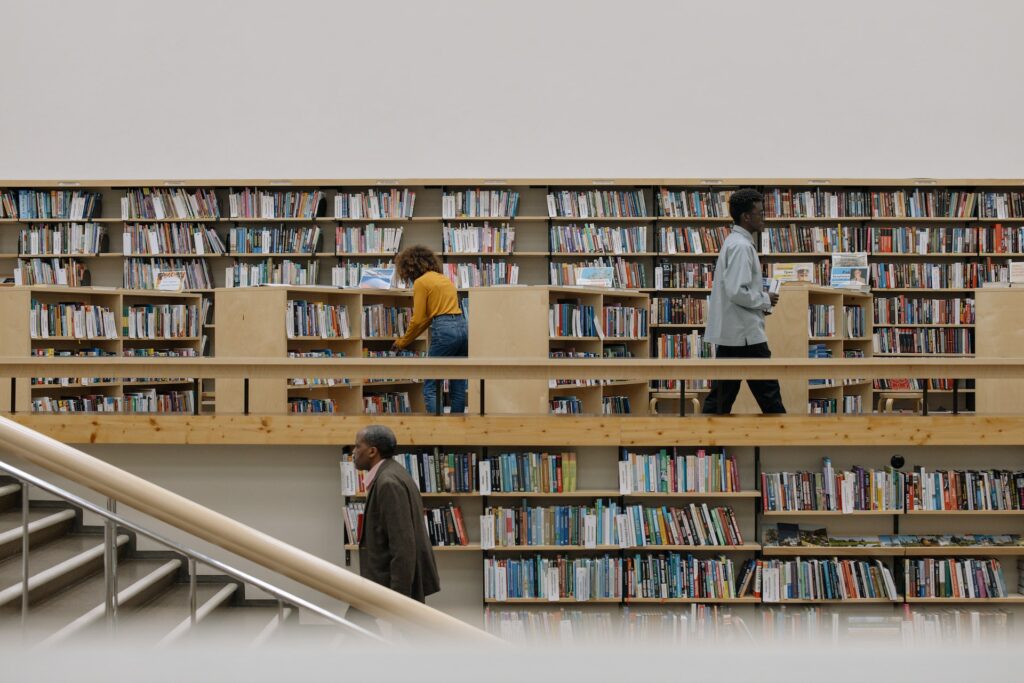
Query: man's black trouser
{"points": [[724, 391]]}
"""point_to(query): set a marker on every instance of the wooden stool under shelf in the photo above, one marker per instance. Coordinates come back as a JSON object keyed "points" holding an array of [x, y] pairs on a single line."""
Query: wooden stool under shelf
{"points": [[886, 399], [691, 396]]}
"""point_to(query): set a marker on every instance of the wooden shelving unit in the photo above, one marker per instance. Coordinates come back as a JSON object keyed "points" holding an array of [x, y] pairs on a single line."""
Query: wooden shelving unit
{"points": [[17, 340]]}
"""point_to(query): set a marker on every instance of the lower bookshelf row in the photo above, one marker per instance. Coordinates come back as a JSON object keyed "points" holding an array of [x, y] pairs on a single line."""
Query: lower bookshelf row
{"points": [[767, 551], [1015, 599]]}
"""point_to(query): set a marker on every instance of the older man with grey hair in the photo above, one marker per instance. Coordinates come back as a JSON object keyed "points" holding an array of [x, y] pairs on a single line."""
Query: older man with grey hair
{"points": [[394, 549]]}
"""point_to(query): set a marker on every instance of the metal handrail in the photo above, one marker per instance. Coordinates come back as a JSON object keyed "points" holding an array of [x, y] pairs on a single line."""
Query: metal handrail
{"points": [[283, 597]]}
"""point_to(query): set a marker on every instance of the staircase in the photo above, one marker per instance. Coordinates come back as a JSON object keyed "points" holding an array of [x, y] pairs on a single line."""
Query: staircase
{"points": [[67, 585]]}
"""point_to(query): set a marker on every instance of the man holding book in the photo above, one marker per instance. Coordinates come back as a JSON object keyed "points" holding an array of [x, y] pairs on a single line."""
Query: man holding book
{"points": [[737, 307]]}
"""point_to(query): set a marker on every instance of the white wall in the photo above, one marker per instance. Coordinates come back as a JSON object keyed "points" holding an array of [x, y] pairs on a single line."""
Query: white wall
{"points": [[525, 88]]}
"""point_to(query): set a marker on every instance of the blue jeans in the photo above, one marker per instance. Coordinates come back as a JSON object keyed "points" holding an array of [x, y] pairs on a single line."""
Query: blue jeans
{"points": [[449, 336]]}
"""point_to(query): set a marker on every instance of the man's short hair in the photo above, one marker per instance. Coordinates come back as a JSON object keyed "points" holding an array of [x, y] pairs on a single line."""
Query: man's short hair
{"points": [[381, 438], [742, 201]]}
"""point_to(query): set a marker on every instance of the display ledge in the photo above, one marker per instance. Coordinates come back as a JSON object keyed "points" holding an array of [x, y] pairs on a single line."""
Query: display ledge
{"points": [[747, 600], [547, 601], [888, 325], [840, 601], [893, 551], [471, 547], [1012, 599], [746, 547]]}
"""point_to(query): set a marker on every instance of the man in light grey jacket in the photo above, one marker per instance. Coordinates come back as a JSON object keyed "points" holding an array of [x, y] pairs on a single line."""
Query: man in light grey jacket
{"points": [[737, 307]]}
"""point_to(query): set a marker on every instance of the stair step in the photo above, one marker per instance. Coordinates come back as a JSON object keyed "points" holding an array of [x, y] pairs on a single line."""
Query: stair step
{"points": [[44, 525], [80, 599], [53, 567], [243, 625], [164, 613], [10, 496]]}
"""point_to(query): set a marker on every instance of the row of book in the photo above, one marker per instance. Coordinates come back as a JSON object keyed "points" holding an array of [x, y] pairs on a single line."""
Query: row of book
{"points": [[832, 490], [553, 578], [597, 204], [822, 406], [63, 272], [50, 352], [823, 579], [690, 345], [673, 472], [317, 319], [821, 320], [907, 310], [531, 472], [672, 576], [482, 274], [965, 490], [591, 239], [479, 203], [693, 524], [375, 204], [317, 381], [856, 322], [923, 340], [478, 238], [624, 322], [64, 204], [853, 405], [625, 274], [65, 239], [565, 405], [71, 320], [149, 401], [445, 525], [615, 405], [143, 274], [683, 275], [367, 239], [257, 203], [387, 403], [816, 203], [382, 321], [813, 239], [300, 406], [692, 239], [160, 321], [171, 238], [557, 525], [953, 578], [271, 272], [998, 239], [916, 240], [905, 384], [571, 320], [572, 353], [274, 240], [682, 310], [785, 535], [925, 275], [163, 203], [1002, 204]]}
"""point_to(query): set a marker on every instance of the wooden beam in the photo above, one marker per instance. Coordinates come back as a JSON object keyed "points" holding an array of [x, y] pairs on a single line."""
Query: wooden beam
{"points": [[517, 368], [540, 431]]}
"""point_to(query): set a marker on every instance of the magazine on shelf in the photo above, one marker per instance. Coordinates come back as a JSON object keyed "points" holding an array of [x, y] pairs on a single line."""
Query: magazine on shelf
{"points": [[850, 271], [376, 278], [594, 276], [793, 272]]}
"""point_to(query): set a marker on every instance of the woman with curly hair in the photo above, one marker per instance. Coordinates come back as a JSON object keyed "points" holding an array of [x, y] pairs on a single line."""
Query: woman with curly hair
{"points": [[435, 303]]}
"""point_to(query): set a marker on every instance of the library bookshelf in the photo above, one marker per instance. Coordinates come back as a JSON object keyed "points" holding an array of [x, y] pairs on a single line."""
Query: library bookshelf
{"points": [[970, 224], [253, 324], [31, 315], [529, 310]]}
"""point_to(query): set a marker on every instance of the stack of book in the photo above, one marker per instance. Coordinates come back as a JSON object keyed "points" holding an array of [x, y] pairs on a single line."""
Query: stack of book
{"points": [[160, 203], [258, 203], [375, 204], [664, 472], [385, 322], [66, 204], [317, 319], [692, 239], [274, 240], [591, 239], [171, 238], [553, 578], [479, 203], [673, 576], [368, 239], [693, 203], [831, 490], [597, 204], [478, 238], [67, 239], [531, 472], [270, 272]]}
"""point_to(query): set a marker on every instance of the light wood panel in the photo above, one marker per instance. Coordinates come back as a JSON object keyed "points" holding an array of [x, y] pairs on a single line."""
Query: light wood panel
{"points": [[539, 431], [999, 333]]}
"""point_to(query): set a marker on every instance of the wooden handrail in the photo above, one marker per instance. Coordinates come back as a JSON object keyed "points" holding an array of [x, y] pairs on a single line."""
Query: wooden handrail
{"points": [[517, 368], [228, 534]]}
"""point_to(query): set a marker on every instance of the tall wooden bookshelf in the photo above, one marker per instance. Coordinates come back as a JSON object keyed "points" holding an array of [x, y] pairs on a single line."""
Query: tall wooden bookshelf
{"points": [[19, 340]]}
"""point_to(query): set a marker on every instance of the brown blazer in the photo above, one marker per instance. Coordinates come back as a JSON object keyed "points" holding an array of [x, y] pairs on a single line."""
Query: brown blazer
{"points": [[395, 550]]}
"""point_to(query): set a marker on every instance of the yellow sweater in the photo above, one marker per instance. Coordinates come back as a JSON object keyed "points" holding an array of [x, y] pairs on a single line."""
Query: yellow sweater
{"points": [[432, 294]]}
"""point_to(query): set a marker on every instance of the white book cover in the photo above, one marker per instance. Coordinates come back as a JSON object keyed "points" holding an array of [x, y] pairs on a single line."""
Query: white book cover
{"points": [[486, 532]]}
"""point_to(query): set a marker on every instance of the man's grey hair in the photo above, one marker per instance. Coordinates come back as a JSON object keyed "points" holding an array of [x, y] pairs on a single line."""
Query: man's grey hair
{"points": [[381, 438]]}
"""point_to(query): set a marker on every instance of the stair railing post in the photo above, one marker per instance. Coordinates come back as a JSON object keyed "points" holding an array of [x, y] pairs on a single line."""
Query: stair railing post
{"points": [[192, 590], [110, 569], [24, 555]]}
